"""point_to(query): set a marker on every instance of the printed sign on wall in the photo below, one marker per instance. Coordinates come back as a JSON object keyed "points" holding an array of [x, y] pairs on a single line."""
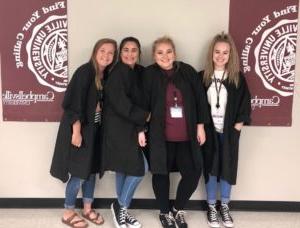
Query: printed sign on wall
{"points": [[265, 33], [33, 59]]}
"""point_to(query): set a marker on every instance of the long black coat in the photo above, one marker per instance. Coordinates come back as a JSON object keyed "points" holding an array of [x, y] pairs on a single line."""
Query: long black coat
{"points": [[123, 118], [187, 81], [238, 109], [79, 104]]}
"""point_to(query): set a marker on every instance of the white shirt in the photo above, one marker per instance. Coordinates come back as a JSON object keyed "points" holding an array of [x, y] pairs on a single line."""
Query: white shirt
{"points": [[218, 114]]}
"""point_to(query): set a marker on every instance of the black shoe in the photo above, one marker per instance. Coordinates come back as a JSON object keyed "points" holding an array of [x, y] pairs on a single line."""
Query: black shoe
{"points": [[167, 220], [225, 215], [212, 216], [179, 218], [119, 215], [132, 222]]}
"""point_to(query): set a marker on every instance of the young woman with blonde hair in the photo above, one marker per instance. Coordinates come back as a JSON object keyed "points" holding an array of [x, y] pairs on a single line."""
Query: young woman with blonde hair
{"points": [[176, 100], [229, 105], [77, 154]]}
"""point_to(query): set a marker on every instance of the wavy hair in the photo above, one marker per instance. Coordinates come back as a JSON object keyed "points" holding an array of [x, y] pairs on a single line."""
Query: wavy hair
{"points": [[97, 46], [233, 65]]}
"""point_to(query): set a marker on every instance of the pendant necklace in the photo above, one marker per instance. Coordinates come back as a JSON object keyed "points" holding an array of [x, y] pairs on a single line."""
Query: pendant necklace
{"points": [[218, 89]]}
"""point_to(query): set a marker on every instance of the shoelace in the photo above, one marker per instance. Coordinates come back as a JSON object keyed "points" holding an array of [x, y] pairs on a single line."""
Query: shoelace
{"points": [[169, 218], [122, 215], [213, 214], [130, 218], [180, 215], [225, 213]]}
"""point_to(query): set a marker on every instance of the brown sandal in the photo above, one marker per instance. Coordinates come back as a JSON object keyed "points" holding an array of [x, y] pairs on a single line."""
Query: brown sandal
{"points": [[69, 221], [87, 216]]}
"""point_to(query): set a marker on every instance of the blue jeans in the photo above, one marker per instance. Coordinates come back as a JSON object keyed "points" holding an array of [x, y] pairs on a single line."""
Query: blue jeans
{"points": [[212, 188], [72, 189], [212, 184], [126, 185]]}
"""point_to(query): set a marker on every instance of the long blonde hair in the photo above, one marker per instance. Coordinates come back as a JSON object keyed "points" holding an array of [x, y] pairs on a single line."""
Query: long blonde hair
{"points": [[98, 73], [233, 65]]}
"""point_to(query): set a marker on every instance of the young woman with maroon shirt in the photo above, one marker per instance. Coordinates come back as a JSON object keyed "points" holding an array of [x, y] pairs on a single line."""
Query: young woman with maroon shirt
{"points": [[175, 98]]}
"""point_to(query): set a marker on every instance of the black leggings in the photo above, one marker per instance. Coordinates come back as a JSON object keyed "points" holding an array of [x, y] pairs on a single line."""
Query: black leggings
{"points": [[179, 154]]}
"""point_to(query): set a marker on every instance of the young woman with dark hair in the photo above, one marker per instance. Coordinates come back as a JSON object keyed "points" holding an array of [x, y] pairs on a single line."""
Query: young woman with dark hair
{"points": [[124, 130]]}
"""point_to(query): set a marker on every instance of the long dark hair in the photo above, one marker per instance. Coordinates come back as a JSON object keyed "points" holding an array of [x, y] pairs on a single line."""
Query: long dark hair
{"points": [[129, 39]]}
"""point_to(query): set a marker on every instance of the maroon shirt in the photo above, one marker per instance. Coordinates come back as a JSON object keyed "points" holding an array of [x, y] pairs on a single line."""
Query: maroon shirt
{"points": [[175, 128]]}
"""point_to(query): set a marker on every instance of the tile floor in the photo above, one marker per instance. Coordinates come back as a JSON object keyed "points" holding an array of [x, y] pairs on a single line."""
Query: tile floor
{"points": [[50, 218]]}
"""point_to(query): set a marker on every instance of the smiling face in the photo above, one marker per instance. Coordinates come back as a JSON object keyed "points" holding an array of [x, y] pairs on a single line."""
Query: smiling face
{"points": [[221, 54], [164, 55], [105, 55], [130, 53]]}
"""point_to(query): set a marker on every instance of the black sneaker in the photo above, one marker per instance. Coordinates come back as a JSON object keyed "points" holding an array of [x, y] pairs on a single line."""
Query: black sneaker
{"points": [[167, 220], [119, 215], [212, 216], [132, 222], [179, 218], [225, 215]]}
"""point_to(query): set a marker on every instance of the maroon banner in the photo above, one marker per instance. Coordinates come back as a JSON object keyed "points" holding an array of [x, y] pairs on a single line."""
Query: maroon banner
{"points": [[265, 33], [33, 59]]}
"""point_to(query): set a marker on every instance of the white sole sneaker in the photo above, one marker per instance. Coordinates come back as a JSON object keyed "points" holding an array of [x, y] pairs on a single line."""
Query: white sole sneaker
{"points": [[115, 218], [214, 225], [227, 225], [133, 226]]}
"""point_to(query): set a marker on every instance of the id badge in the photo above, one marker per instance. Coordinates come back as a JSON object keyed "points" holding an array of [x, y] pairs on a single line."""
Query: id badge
{"points": [[218, 119], [176, 112]]}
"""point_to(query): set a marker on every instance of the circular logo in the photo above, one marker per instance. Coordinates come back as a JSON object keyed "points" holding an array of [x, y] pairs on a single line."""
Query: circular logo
{"points": [[275, 57], [47, 53]]}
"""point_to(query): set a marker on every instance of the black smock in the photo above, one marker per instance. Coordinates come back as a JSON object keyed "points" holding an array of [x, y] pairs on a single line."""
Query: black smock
{"points": [[123, 119], [79, 103], [186, 79], [238, 110]]}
